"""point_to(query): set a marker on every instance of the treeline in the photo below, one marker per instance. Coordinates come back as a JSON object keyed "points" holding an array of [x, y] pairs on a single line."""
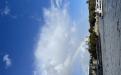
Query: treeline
{"points": [[92, 37]]}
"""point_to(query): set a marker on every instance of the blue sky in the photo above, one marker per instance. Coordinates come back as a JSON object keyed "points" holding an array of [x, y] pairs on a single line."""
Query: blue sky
{"points": [[41, 37]]}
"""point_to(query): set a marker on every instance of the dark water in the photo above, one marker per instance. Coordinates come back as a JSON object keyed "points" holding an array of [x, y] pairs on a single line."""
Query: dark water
{"points": [[110, 32]]}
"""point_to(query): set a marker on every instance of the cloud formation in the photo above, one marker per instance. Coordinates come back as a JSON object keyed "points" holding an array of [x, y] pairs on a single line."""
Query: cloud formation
{"points": [[59, 46], [7, 60], [6, 10]]}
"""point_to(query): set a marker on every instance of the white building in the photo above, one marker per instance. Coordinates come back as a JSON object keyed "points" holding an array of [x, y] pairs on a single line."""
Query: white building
{"points": [[99, 7]]}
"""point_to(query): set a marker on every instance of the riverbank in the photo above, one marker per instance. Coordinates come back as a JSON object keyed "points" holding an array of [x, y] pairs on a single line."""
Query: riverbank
{"points": [[92, 38], [95, 67]]}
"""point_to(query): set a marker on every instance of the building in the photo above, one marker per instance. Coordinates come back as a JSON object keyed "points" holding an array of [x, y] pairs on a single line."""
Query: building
{"points": [[99, 7]]}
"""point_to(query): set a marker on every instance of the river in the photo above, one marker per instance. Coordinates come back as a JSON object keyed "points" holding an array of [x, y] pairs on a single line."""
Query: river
{"points": [[110, 33]]}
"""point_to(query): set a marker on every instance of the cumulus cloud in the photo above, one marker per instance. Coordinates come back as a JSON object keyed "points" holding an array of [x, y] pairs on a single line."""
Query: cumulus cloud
{"points": [[59, 46], [7, 60]]}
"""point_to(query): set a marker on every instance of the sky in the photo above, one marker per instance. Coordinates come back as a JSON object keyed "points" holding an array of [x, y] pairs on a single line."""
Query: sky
{"points": [[43, 37]]}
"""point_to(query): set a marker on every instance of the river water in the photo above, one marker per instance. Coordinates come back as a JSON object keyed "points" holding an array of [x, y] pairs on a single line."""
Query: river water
{"points": [[110, 33]]}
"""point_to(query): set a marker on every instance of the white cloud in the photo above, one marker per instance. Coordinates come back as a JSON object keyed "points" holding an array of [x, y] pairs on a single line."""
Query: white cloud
{"points": [[6, 10], [59, 46], [7, 60]]}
